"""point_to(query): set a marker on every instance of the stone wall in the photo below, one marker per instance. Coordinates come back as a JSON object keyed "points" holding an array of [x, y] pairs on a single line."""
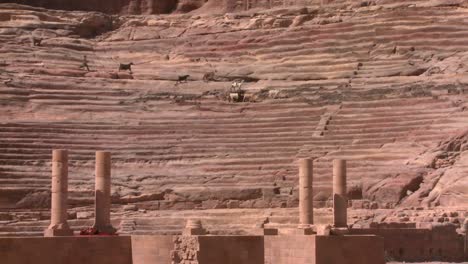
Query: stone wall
{"points": [[186, 250], [356, 249], [70, 250], [323, 249], [290, 249], [218, 249], [152, 249], [349, 249], [236, 249], [411, 244]]}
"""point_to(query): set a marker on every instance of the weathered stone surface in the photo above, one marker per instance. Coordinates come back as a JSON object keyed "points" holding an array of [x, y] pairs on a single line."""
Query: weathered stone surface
{"points": [[84, 215], [35, 200], [381, 84]]}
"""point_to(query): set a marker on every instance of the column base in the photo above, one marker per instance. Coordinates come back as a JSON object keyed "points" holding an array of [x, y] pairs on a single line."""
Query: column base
{"points": [[339, 231], [110, 230], [57, 232]]}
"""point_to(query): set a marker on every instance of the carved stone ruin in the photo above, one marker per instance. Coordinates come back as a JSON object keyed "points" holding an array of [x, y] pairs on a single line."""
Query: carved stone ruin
{"points": [[103, 193], [58, 213], [306, 205], [193, 228], [340, 201]]}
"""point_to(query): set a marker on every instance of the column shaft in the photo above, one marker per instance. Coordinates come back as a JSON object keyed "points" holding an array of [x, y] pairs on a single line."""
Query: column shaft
{"points": [[465, 229], [103, 192], [340, 201], [58, 213], [306, 206]]}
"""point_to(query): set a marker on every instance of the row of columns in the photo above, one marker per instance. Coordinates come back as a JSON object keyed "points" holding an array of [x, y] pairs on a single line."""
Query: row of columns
{"points": [[58, 219], [59, 225], [306, 194]]}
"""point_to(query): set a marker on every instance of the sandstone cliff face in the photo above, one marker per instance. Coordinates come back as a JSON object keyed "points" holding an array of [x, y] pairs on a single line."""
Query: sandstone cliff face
{"points": [[382, 84], [108, 6], [133, 6], [180, 6]]}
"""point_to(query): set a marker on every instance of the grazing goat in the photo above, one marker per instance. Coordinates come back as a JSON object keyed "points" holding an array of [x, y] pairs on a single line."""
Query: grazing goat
{"points": [[126, 67], [182, 78], [236, 85]]}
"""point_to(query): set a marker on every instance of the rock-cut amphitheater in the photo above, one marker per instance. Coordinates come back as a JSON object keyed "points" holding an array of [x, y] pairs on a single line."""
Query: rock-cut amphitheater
{"points": [[382, 84]]}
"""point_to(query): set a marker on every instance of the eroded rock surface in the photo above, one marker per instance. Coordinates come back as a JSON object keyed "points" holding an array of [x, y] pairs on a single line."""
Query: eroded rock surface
{"points": [[382, 84]]}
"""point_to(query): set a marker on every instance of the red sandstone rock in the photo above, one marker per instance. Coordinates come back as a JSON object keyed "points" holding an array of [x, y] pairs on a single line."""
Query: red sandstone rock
{"points": [[364, 83]]}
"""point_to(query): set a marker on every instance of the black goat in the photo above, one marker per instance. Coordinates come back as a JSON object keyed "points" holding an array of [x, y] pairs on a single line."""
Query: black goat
{"points": [[182, 78], [126, 67]]}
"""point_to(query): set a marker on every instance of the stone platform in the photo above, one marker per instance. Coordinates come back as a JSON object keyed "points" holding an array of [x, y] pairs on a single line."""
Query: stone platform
{"points": [[355, 249], [324, 250], [71, 250]]}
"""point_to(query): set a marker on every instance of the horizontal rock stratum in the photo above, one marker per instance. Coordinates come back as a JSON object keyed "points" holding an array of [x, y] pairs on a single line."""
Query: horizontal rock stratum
{"points": [[155, 6], [382, 84]]}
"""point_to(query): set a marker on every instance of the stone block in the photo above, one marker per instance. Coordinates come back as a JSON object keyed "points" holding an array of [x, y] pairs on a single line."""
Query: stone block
{"points": [[70, 250], [265, 232], [230, 249], [297, 231], [57, 232], [349, 249], [324, 230], [152, 249], [324, 249], [194, 232]]}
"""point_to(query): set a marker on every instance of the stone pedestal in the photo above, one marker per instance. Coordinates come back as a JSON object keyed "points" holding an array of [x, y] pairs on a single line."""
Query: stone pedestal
{"points": [[193, 228], [306, 205], [340, 201], [339, 231], [103, 193], [58, 215]]}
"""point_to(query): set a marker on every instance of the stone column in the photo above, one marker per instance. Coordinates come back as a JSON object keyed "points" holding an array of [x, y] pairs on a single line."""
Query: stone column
{"points": [[340, 201], [465, 230], [306, 206], [58, 213], [103, 193]]}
